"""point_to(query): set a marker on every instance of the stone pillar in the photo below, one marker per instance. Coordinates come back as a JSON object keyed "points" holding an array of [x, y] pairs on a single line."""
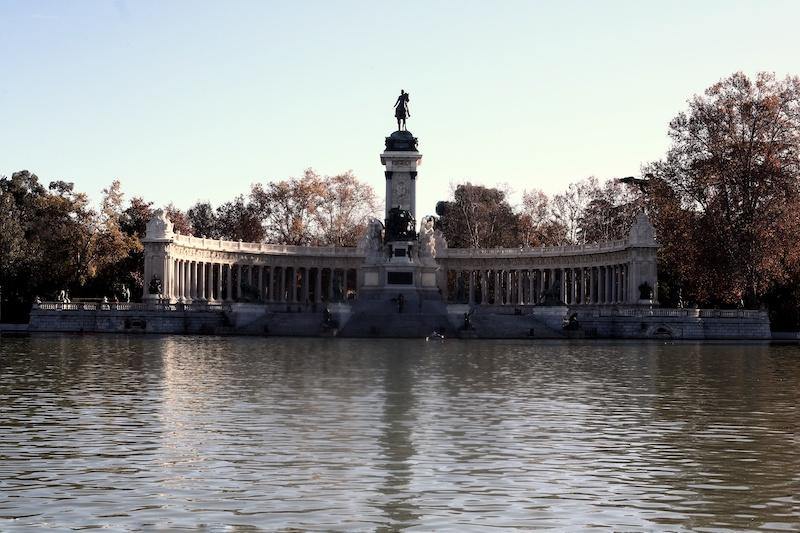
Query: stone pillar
{"points": [[305, 285], [178, 279], [260, 282], [496, 298], [574, 274], [185, 279], [471, 287], [624, 285], [603, 285], [228, 269], [591, 285], [270, 282], [218, 268], [531, 289], [210, 281], [237, 286], [610, 276], [291, 288], [193, 280], [201, 281], [318, 285], [280, 273]]}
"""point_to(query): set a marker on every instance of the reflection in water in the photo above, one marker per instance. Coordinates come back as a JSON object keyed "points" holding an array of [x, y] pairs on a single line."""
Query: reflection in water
{"points": [[396, 440], [140, 433]]}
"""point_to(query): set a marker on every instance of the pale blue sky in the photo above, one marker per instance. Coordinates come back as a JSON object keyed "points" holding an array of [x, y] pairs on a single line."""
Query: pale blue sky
{"points": [[186, 101]]}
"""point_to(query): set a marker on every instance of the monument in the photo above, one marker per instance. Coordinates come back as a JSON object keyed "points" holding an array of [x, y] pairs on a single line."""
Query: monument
{"points": [[402, 280], [400, 264]]}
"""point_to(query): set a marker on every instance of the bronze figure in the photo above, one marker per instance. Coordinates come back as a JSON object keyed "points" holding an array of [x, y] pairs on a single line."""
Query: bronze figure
{"points": [[401, 110]]}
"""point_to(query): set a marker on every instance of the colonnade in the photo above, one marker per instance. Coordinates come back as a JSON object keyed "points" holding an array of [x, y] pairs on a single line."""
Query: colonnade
{"points": [[606, 284], [188, 280]]}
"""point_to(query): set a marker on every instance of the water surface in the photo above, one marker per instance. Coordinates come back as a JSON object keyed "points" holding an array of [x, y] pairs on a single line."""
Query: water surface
{"points": [[250, 434]]}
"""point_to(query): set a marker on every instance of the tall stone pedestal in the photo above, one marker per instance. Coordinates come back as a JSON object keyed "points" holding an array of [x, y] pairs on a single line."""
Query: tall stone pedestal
{"points": [[398, 294]]}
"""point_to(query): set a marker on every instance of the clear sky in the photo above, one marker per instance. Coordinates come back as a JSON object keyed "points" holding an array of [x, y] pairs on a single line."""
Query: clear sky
{"points": [[189, 100]]}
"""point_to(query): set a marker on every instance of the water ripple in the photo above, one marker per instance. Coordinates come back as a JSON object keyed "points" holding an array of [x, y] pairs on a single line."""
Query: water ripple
{"points": [[223, 434]]}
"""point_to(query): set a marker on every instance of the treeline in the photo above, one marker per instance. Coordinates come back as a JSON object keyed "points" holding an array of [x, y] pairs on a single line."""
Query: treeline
{"points": [[725, 201], [587, 212]]}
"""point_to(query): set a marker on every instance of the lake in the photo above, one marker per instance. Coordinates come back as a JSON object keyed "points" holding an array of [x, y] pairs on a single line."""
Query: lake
{"points": [[248, 434]]}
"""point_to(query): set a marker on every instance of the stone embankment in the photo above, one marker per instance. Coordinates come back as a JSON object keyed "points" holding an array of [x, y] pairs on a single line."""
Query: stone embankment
{"points": [[384, 319]]}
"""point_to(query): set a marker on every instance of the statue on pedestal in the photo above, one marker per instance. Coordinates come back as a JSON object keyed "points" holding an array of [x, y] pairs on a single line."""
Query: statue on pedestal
{"points": [[401, 111]]}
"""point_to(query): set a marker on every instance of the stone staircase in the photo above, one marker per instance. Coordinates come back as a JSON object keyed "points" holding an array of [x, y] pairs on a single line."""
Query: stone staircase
{"points": [[381, 317], [502, 322]]}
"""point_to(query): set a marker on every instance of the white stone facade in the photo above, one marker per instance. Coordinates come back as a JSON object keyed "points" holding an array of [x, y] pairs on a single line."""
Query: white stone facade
{"points": [[200, 269], [193, 269]]}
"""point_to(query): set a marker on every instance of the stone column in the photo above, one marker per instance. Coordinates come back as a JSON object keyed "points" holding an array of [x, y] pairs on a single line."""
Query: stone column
{"points": [[193, 280], [624, 284], [602, 285], [201, 280], [611, 273], [305, 285], [591, 285], [318, 285], [260, 283], [182, 275], [531, 289], [237, 287], [210, 281], [177, 278], [291, 285], [280, 273], [574, 274], [218, 268], [270, 290], [229, 281], [496, 291], [471, 287], [185, 283]]}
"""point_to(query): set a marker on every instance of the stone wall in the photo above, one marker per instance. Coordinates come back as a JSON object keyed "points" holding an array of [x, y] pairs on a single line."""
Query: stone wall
{"points": [[491, 322], [127, 318], [691, 324]]}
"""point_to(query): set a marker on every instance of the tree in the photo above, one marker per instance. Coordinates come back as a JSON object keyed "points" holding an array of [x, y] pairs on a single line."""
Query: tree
{"points": [[203, 220], [721, 198], [345, 208], [46, 238], [478, 217], [115, 252], [239, 220], [288, 208], [610, 212], [569, 207], [536, 224]]}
